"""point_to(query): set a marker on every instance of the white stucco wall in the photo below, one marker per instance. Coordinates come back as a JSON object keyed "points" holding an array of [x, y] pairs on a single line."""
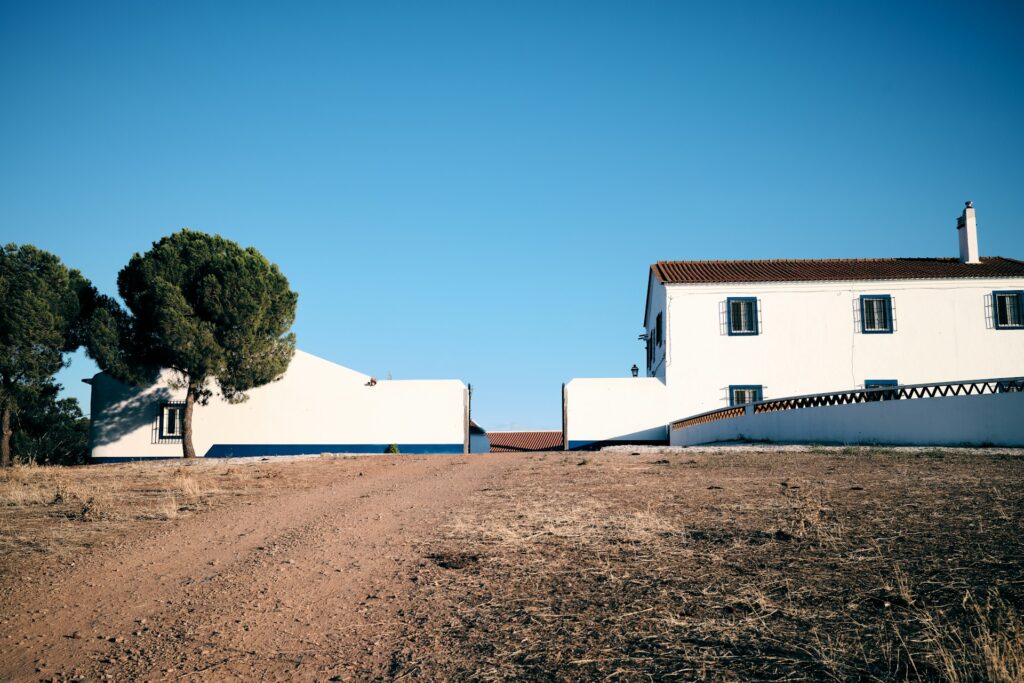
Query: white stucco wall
{"points": [[479, 443], [656, 304], [315, 403], [616, 409], [810, 339], [995, 419]]}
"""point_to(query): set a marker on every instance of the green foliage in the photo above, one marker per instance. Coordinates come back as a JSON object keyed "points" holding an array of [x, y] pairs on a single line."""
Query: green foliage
{"points": [[43, 311], [109, 339], [205, 307], [393, 449], [39, 310], [208, 308], [51, 431]]}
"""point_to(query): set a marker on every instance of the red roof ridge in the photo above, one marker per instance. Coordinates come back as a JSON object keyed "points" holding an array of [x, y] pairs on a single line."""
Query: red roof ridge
{"points": [[525, 431], [946, 259], [522, 441], [808, 270]]}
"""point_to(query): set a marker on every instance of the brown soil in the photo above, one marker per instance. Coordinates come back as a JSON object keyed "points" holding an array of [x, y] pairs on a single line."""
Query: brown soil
{"points": [[659, 565]]}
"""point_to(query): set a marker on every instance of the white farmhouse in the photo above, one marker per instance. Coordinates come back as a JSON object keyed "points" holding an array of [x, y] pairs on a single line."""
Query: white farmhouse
{"points": [[721, 333], [316, 407]]}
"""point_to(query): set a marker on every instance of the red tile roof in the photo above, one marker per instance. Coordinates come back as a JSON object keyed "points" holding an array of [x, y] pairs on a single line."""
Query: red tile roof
{"points": [[811, 270], [512, 442]]}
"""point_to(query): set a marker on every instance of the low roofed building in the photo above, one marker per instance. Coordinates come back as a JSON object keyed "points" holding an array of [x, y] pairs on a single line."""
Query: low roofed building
{"points": [[524, 442]]}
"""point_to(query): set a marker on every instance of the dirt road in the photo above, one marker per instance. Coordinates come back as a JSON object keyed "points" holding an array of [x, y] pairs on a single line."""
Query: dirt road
{"points": [[291, 586], [747, 563]]}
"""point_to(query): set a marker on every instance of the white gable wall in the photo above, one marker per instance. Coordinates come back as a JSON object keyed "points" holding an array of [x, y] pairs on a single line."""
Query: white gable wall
{"points": [[810, 339], [656, 305], [316, 403]]}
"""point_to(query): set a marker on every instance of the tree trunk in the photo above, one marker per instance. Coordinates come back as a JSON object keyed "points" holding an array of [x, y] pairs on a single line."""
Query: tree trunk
{"points": [[5, 438], [187, 450]]}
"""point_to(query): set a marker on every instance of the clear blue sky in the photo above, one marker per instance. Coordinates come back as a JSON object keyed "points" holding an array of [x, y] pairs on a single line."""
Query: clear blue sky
{"points": [[476, 189]]}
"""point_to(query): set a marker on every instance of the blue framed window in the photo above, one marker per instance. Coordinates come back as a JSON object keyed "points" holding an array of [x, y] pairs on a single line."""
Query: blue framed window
{"points": [[1009, 387], [742, 313], [888, 387], [876, 314], [1008, 310], [740, 394]]}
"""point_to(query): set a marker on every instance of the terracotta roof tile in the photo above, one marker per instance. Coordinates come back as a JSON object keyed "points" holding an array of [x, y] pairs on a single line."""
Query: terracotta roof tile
{"points": [[813, 270], [512, 442]]}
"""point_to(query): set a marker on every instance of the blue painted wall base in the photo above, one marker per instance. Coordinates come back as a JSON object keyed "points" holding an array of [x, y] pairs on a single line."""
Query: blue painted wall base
{"points": [[248, 450], [594, 445], [106, 461]]}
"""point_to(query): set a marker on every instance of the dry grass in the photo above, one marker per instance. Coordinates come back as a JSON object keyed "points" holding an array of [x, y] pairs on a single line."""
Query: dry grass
{"points": [[987, 646], [56, 512], [841, 564], [860, 565]]}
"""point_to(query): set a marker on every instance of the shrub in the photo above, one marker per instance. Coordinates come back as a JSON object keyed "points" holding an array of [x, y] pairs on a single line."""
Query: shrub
{"points": [[51, 431]]}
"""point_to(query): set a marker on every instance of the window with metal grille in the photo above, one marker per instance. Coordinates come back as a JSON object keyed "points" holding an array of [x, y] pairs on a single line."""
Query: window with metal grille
{"points": [[660, 330], [172, 420], [744, 393], [876, 314], [742, 312], [1009, 310]]}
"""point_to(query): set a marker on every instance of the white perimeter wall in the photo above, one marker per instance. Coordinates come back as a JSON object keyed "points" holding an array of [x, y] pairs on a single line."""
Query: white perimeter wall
{"points": [[616, 409], [316, 402], [810, 340], [996, 419]]}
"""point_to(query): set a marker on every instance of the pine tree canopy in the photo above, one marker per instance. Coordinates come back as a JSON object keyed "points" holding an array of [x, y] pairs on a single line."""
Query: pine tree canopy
{"points": [[44, 310], [40, 316], [206, 307]]}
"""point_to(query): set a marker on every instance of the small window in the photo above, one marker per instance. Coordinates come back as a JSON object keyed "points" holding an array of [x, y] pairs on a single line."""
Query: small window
{"points": [[746, 393], [1009, 386], [887, 386], [659, 330], [172, 420], [1009, 310], [742, 313], [876, 314]]}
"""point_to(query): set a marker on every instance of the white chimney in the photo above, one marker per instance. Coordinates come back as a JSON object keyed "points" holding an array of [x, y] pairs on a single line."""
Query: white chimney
{"points": [[967, 229]]}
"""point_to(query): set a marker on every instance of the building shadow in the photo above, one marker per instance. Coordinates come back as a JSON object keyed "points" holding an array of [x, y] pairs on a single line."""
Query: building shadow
{"points": [[118, 409]]}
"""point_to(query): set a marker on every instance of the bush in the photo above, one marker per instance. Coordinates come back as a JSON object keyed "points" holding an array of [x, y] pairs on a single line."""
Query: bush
{"points": [[51, 431], [392, 449]]}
